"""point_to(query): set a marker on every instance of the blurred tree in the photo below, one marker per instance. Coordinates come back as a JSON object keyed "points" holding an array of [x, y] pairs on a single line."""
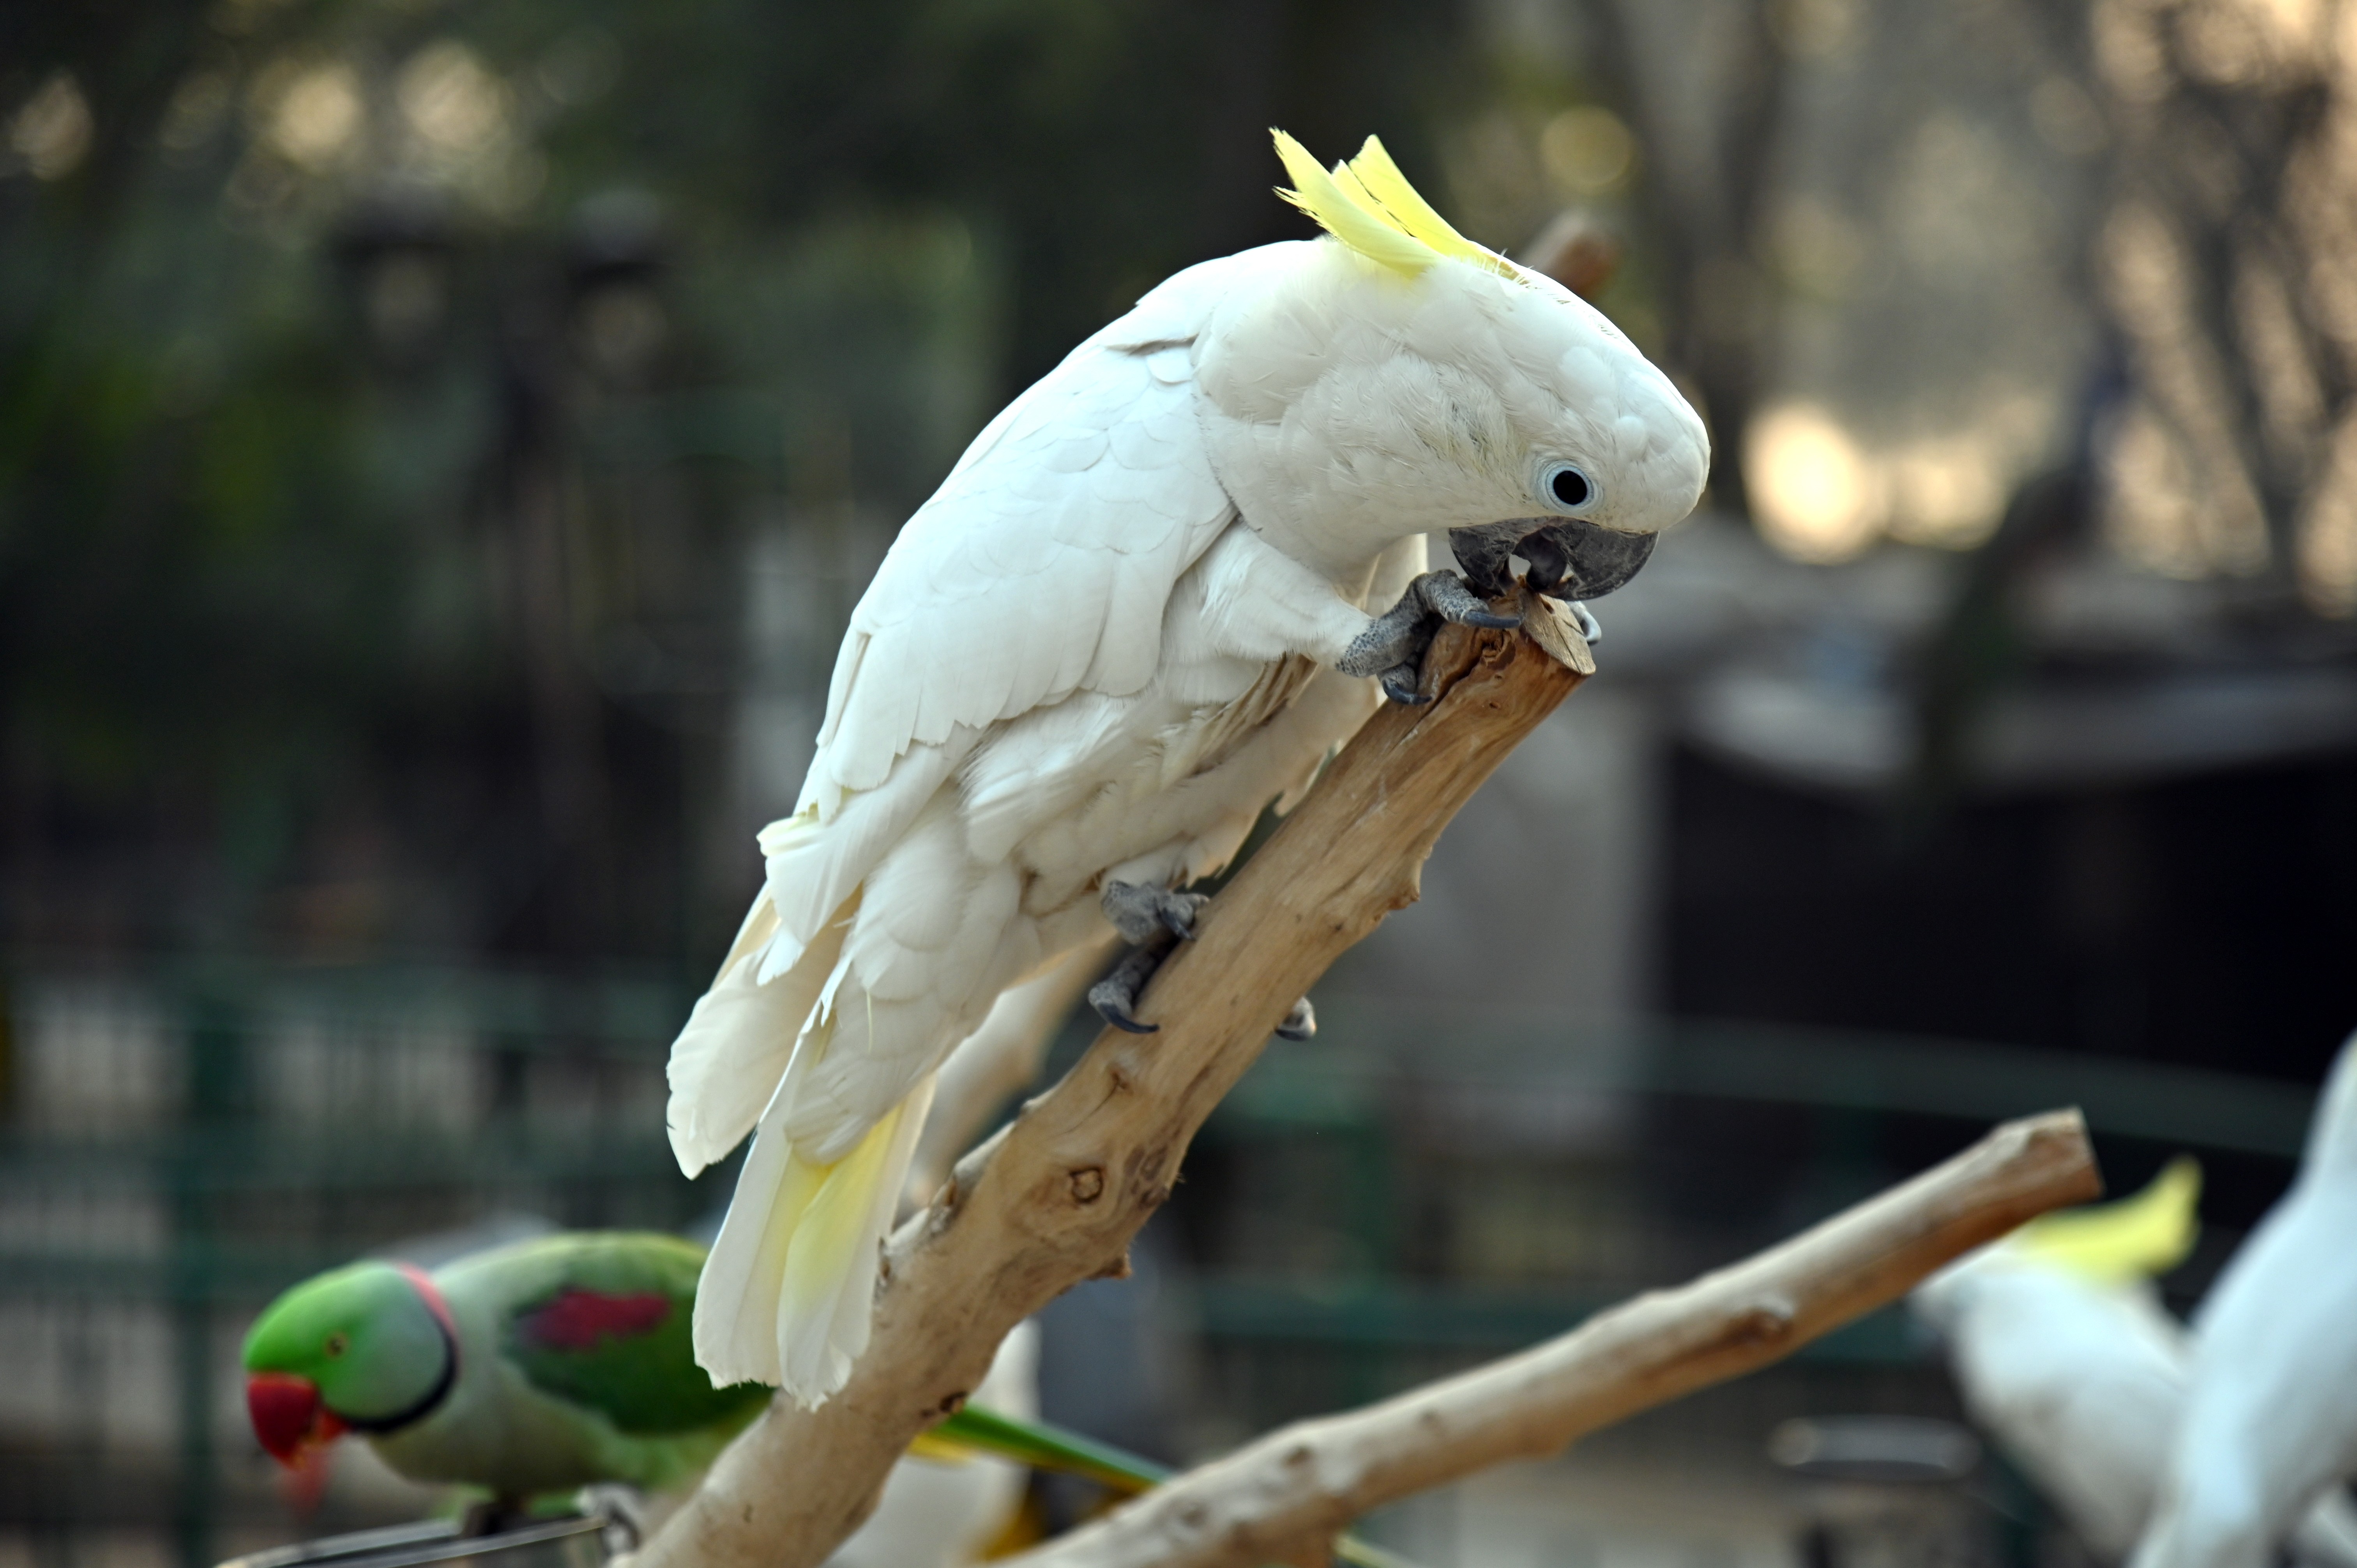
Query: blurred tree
{"points": [[391, 395], [2225, 261]]}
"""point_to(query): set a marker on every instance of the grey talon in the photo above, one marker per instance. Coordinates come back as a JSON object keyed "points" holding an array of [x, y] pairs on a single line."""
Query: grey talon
{"points": [[1139, 909], [1177, 912], [1114, 1010], [1397, 638], [1589, 627], [1300, 1024], [1400, 683], [1446, 595], [1115, 996]]}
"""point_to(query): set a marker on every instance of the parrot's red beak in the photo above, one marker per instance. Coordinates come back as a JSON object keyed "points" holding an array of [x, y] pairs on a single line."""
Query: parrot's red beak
{"points": [[288, 1417]]}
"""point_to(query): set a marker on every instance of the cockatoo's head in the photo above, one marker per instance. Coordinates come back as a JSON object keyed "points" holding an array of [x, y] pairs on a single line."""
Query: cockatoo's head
{"points": [[2116, 1245], [1398, 378], [370, 1349]]}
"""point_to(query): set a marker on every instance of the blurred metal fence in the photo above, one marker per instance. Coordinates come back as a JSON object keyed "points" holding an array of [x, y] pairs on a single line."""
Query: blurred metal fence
{"points": [[180, 1145], [1412, 1191]]}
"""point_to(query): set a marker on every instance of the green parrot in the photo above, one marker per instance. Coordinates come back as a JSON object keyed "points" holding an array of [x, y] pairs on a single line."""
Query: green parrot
{"points": [[557, 1363], [545, 1366]]}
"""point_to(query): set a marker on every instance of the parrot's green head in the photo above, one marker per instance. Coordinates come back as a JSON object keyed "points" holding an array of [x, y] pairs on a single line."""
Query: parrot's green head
{"points": [[369, 1347], [1395, 378]]}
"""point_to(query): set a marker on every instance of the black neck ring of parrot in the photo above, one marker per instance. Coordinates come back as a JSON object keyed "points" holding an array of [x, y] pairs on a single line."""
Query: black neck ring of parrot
{"points": [[382, 1425]]}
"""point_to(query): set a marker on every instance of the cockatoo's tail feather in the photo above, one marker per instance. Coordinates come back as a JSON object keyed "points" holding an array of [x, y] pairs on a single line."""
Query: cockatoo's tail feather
{"points": [[787, 1291], [728, 1060], [2135, 1237]]}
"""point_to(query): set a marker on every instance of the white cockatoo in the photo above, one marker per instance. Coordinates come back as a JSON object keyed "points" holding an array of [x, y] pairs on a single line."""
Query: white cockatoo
{"points": [[2270, 1422], [1133, 615], [2066, 1359]]}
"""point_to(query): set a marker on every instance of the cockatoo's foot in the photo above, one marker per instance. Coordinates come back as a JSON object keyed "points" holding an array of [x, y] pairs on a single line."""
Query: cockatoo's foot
{"points": [[1393, 643], [1588, 627], [1157, 919], [1115, 996], [1139, 909]]}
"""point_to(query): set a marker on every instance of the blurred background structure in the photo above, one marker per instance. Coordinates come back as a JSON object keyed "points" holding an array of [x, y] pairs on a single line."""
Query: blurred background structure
{"points": [[440, 440]]}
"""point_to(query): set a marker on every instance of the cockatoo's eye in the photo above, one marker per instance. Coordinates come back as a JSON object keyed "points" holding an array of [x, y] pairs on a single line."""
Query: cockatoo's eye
{"points": [[337, 1344], [1566, 485]]}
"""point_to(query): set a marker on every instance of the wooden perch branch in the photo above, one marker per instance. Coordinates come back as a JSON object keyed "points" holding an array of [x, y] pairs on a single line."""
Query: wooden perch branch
{"points": [[1281, 1498], [1055, 1198]]}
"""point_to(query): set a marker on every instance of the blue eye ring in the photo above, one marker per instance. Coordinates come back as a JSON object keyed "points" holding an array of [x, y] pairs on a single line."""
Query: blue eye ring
{"points": [[1565, 487]]}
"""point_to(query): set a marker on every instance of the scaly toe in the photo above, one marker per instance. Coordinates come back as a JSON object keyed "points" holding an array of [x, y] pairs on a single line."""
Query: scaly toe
{"points": [[1140, 910], [1114, 1005], [1300, 1024]]}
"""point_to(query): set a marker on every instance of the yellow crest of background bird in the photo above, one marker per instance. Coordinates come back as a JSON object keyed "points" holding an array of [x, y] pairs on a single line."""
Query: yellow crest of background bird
{"points": [[1370, 206], [2137, 1238]]}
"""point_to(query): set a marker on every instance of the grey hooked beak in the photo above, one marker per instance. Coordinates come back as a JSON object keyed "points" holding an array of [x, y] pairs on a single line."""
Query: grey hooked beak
{"points": [[1568, 559]]}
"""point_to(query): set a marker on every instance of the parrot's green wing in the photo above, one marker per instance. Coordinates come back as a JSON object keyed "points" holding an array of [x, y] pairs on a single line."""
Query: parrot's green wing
{"points": [[1046, 1446], [604, 1322]]}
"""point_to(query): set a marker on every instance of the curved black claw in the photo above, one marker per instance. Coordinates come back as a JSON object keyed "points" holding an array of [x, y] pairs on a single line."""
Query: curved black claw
{"points": [[1115, 996], [1114, 1010], [1139, 909], [1401, 684], [1397, 638], [1446, 595], [1300, 1024]]}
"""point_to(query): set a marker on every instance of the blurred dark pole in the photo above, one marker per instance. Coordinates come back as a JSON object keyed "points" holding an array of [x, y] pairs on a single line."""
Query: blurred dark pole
{"points": [[1705, 204], [568, 731], [220, 1090]]}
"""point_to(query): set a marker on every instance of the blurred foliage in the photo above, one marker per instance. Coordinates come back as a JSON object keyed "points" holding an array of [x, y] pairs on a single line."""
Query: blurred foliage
{"points": [[388, 390]]}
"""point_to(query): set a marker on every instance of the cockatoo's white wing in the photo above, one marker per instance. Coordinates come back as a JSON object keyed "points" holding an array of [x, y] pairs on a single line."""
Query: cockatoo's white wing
{"points": [[1040, 569]]}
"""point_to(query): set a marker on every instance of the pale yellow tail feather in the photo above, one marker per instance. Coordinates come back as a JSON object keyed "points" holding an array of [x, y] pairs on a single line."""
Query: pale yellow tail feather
{"points": [[2138, 1237], [826, 1303], [789, 1284], [736, 1297]]}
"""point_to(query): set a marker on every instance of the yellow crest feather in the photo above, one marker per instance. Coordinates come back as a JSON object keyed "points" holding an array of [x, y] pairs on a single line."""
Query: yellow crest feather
{"points": [[1361, 227], [1380, 177], [2138, 1237]]}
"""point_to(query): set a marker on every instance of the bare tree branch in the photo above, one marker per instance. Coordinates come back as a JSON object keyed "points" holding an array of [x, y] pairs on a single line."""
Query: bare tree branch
{"points": [[1283, 1496], [1056, 1196]]}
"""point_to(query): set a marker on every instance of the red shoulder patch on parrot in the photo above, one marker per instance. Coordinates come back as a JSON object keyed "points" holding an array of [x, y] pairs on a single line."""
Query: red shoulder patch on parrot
{"points": [[578, 1319]]}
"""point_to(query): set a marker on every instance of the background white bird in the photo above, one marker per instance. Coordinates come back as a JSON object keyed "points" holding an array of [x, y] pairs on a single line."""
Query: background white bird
{"points": [[1128, 620], [2270, 1421], [2066, 1358], [942, 1511]]}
